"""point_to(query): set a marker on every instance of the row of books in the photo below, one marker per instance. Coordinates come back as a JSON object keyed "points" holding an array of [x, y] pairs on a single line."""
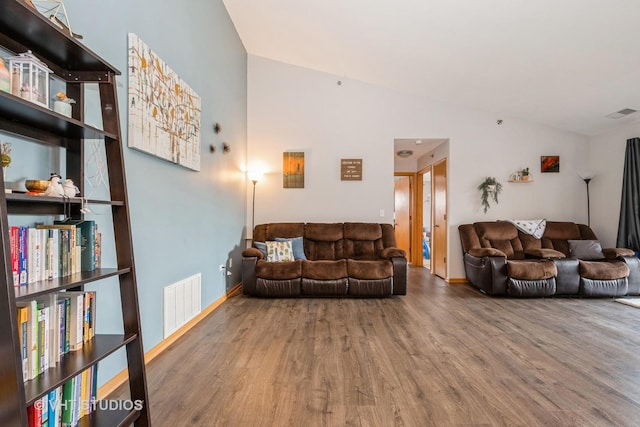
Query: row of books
{"points": [[48, 251], [67, 404], [53, 325]]}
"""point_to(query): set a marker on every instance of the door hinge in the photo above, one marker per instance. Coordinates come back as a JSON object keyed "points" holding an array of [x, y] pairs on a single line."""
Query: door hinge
{"points": [[445, 260], [445, 217]]}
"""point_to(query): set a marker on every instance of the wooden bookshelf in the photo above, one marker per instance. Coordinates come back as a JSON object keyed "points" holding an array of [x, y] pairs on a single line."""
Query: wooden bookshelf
{"points": [[22, 28]]}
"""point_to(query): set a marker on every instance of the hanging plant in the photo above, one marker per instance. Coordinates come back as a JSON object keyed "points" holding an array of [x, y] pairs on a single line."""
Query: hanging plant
{"points": [[490, 188]]}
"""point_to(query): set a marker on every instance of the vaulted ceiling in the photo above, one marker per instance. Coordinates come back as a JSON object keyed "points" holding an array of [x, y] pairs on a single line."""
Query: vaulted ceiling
{"points": [[562, 63]]}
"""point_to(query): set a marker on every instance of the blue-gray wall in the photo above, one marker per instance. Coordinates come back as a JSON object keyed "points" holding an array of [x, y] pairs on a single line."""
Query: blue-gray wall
{"points": [[183, 222]]}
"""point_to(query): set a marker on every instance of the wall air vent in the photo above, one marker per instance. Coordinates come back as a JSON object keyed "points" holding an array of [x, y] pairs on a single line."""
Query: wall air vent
{"points": [[622, 113]]}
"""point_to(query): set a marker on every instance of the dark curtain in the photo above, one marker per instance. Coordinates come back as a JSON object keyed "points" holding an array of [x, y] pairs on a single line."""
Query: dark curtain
{"points": [[629, 224]]}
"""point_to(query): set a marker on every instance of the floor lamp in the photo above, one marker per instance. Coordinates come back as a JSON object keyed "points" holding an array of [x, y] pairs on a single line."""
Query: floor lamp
{"points": [[254, 177], [587, 181]]}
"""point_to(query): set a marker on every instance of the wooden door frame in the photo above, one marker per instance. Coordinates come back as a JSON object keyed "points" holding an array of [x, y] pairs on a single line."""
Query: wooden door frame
{"points": [[415, 223], [419, 197]]}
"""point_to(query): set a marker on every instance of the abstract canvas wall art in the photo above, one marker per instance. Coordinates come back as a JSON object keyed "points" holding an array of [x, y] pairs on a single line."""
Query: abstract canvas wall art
{"points": [[549, 163], [164, 112]]}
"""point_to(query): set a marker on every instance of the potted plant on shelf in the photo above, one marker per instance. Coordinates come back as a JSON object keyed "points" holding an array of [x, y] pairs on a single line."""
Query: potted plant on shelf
{"points": [[489, 188], [525, 174]]}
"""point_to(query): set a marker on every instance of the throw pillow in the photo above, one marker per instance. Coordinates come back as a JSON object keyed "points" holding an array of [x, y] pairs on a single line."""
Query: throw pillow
{"points": [[279, 251], [262, 247], [585, 249], [297, 244]]}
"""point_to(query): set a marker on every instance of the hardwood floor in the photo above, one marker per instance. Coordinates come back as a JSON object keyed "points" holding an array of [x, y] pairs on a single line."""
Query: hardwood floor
{"points": [[443, 355]]}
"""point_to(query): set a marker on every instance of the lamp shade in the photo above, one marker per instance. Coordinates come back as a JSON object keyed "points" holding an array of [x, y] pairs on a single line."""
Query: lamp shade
{"points": [[254, 175]]}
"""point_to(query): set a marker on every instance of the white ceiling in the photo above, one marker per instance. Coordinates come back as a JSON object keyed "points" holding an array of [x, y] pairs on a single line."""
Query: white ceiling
{"points": [[563, 63]]}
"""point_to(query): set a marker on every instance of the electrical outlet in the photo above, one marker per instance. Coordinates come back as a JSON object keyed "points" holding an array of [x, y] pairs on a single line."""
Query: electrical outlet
{"points": [[221, 268]]}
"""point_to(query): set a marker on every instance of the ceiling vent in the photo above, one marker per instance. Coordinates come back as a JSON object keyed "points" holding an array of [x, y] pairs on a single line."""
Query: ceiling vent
{"points": [[622, 113]]}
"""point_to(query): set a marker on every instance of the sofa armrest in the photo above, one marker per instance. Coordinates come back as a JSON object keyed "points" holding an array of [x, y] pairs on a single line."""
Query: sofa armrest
{"points": [[488, 273], [400, 269], [252, 252], [615, 253], [388, 253], [483, 252], [634, 273], [249, 274]]}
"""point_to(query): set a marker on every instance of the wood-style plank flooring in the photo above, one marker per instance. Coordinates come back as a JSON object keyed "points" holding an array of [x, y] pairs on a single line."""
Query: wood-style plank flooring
{"points": [[443, 355]]}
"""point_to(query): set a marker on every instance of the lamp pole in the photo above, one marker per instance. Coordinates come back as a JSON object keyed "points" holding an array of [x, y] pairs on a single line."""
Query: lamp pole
{"points": [[586, 181], [253, 206]]}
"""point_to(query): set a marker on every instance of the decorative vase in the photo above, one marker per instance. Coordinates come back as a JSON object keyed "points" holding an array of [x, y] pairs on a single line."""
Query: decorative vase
{"points": [[63, 108]]}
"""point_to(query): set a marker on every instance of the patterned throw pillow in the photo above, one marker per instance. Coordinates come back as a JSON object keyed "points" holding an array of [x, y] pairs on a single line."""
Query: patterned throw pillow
{"points": [[279, 251], [297, 244]]}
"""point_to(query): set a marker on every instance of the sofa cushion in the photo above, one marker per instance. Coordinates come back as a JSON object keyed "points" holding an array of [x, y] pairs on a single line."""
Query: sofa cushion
{"points": [[278, 270], [531, 288], [363, 249], [324, 270], [585, 249], [362, 231], [324, 288], [370, 288], [601, 270], [558, 230], [532, 270], [279, 251], [360, 269], [297, 245], [501, 235], [324, 241], [324, 232], [264, 232]]}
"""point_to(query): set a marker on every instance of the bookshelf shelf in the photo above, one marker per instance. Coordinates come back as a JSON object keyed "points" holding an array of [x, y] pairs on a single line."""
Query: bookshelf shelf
{"points": [[44, 125], [73, 363], [109, 418], [28, 204], [35, 289], [22, 28]]}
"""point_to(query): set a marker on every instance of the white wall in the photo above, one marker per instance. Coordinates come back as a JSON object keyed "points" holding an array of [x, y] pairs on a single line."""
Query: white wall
{"points": [[607, 153], [294, 109], [291, 108]]}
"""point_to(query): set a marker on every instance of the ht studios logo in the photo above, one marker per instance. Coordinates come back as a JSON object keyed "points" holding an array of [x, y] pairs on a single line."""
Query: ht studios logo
{"points": [[92, 405]]}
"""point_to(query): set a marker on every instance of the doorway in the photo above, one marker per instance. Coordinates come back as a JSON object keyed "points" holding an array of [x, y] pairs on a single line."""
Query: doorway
{"points": [[426, 217], [439, 220]]}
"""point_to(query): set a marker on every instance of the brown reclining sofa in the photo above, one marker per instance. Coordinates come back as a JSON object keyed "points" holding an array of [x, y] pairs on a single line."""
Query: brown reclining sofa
{"points": [[499, 259], [342, 259]]}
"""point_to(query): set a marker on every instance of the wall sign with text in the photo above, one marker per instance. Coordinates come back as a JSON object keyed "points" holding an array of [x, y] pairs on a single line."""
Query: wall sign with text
{"points": [[351, 169]]}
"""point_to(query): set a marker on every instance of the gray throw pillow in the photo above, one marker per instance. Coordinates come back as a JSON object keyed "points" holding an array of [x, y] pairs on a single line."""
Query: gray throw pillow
{"points": [[297, 244], [585, 249]]}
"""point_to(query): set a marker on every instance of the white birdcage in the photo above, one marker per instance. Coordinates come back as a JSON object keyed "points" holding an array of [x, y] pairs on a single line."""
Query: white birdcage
{"points": [[30, 78]]}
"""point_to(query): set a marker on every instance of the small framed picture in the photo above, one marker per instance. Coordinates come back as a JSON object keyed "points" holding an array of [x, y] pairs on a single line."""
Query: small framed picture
{"points": [[549, 163]]}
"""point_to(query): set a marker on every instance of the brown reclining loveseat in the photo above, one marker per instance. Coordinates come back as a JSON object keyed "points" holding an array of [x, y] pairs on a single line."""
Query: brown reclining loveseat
{"points": [[499, 259], [342, 259]]}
